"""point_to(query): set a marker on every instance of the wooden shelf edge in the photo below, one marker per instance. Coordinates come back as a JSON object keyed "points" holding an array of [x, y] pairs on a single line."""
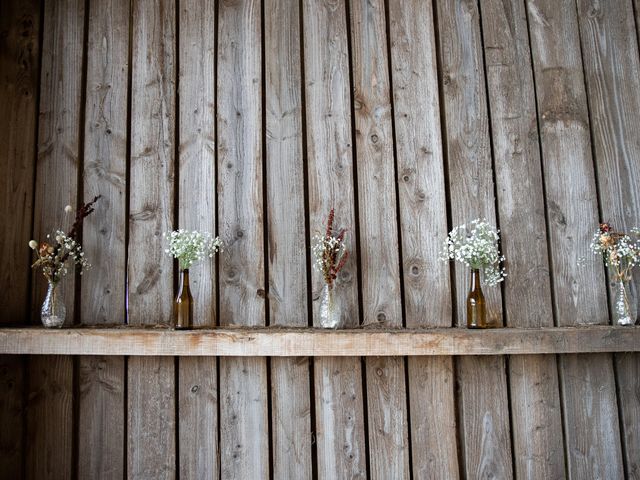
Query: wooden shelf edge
{"points": [[289, 342]]}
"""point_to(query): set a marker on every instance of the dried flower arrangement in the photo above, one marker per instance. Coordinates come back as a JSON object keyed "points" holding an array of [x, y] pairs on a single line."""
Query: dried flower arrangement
{"points": [[53, 257], [330, 252], [191, 246], [620, 253], [476, 246]]}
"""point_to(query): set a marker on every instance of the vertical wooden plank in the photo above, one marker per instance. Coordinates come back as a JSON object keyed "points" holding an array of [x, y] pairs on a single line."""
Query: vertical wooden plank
{"points": [[151, 397], [290, 398], [590, 413], [612, 73], [49, 415], [535, 398], [198, 390], [386, 390], [19, 62], [101, 401], [423, 223], [12, 384], [19, 65], [338, 385], [243, 381], [483, 391]]}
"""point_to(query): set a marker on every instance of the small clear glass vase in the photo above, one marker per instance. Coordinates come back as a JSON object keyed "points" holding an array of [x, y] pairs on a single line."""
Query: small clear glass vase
{"points": [[53, 311], [330, 311], [623, 307]]}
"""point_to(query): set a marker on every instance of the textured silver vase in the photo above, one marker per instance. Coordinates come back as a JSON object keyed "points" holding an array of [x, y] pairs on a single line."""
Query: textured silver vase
{"points": [[330, 311], [53, 311]]}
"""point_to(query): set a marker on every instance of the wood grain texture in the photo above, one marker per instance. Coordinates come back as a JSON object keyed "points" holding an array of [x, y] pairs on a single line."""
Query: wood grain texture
{"points": [[197, 134], [589, 404], [567, 164], [484, 419], [49, 410], [49, 406], [628, 369], [535, 398], [101, 402], [19, 64], [302, 342], [612, 71], [197, 377], [290, 385], [101, 439], [243, 382], [339, 418], [12, 410], [337, 382], [379, 247], [423, 223], [198, 418], [151, 419], [105, 165]]}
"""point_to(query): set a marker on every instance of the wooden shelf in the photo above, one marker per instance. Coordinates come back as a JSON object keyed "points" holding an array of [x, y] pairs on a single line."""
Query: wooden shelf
{"points": [[276, 341]]}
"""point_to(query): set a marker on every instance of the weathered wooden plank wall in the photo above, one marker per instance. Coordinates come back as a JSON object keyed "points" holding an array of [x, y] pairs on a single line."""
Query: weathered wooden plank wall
{"points": [[252, 120]]}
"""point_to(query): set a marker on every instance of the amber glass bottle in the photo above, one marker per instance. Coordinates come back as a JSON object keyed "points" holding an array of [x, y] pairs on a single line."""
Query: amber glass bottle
{"points": [[183, 306], [476, 311]]}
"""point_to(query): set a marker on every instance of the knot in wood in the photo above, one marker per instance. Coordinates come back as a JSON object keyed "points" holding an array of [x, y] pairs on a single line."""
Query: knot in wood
{"points": [[195, 388]]}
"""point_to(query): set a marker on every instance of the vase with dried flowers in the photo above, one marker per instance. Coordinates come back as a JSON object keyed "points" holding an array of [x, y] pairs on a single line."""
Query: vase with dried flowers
{"points": [[476, 246], [621, 253], [54, 255], [331, 255], [188, 247]]}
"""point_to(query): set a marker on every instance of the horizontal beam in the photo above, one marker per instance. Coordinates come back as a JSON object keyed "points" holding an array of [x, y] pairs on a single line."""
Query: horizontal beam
{"points": [[289, 342]]}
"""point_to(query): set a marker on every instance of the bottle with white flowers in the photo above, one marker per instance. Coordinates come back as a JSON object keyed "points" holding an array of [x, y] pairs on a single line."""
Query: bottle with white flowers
{"points": [[476, 246], [188, 247]]}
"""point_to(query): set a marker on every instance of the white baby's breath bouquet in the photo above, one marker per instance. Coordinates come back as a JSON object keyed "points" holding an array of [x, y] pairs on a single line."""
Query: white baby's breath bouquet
{"points": [[476, 246], [191, 246]]}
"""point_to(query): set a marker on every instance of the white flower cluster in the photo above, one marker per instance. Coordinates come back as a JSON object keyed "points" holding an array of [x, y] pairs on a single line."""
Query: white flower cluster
{"points": [[617, 250], [191, 246], [329, 253], [73, 249], [476, 246]]}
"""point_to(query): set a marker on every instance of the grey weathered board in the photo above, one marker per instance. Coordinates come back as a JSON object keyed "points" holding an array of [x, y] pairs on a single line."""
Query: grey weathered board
{"points": [[587, 381], [612, 75], [379, 252], [285, 183], [48, 438], [151, 422], [197, 394], [536, 420], [102, 379], [19, 67], [244, 429], [423, 221], [339, 429], [483, 398]]}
